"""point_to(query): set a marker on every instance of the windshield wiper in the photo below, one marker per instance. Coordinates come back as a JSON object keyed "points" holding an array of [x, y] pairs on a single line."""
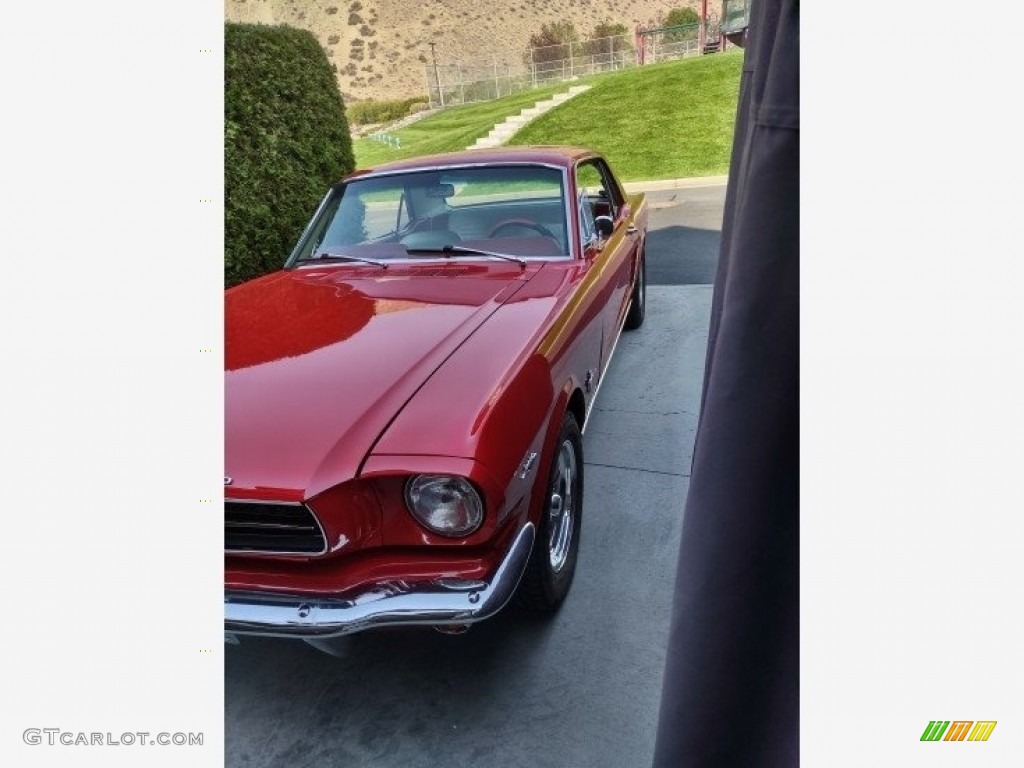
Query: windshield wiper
{"points": [[343, 257], [448, 250]]}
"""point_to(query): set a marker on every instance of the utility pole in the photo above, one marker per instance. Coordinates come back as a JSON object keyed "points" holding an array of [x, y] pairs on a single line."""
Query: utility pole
{"points": [[437, 78], [702, 35]]}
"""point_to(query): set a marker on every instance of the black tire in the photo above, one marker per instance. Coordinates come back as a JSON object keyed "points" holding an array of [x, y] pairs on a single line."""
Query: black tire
{"points": [[552, 563], [638, 307]]}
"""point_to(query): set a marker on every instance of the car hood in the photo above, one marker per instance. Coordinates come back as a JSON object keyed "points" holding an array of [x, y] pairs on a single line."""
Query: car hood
{"points": [[319, 361]]}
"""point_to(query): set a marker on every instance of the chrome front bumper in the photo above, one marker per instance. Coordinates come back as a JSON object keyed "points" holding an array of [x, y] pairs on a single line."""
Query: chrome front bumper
{"points": [[396, 603]]}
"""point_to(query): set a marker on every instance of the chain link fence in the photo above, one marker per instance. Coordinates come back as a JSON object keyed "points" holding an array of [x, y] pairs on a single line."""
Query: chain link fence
{"points": [[483, 80], [667, 43], [554, 63], [470, 81]]}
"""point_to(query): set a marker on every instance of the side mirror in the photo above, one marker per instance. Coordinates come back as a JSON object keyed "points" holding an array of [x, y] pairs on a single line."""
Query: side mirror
{"points": [[605, 225]]}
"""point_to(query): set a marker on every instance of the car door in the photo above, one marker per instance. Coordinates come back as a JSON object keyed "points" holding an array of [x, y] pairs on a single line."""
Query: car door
{"points": [[612, 255]]}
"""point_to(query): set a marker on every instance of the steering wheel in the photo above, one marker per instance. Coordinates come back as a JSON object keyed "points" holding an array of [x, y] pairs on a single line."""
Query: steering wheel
{"points": [[522, 224]]}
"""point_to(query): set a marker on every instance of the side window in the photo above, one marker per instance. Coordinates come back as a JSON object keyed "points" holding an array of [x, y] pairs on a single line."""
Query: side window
{"points": [[598, 196], [589, 179], [588, 229], [589, 185], [594, 179]]}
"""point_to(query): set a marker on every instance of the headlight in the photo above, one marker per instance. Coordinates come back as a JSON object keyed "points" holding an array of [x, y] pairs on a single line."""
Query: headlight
{"points": [[445, 504]]}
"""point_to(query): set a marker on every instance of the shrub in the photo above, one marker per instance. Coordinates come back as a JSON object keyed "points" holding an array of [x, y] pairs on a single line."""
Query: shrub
{"points": [[686, 23], [599, 42], [552, 43], [286, 139], [679, 16], [371, 112]]}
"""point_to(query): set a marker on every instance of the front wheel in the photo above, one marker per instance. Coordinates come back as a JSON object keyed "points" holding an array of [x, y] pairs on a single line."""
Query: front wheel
{"points": [[638, 305], [552, 563]]}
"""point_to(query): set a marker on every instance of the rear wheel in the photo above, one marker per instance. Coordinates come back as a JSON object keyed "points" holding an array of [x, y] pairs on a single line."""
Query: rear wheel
{"points": [[552, 563], [638, 306]]}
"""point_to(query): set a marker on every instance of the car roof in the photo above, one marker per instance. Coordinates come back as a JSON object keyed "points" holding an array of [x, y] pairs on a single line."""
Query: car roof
{"points": [[546, 155]]}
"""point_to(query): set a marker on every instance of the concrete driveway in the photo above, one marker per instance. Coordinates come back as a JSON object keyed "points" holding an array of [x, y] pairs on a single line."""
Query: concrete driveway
{"points": [[579, 689]]}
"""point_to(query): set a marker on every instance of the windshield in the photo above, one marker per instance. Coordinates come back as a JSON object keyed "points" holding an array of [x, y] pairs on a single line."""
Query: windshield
{"points": [[514, 210]]}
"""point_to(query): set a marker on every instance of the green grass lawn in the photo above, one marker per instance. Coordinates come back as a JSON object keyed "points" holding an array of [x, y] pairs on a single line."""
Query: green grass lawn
{"points": [[451, 129], [661, 121]]}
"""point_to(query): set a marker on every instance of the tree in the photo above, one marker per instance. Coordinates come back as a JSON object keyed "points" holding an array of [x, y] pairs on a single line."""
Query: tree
{"points": [[286, 140], [607, 38], [687, 19], [677, 17], [552, 43]]}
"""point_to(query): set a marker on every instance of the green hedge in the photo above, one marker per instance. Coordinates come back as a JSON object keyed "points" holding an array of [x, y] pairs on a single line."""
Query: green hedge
{"points": [[286, 140], [371, 111]]}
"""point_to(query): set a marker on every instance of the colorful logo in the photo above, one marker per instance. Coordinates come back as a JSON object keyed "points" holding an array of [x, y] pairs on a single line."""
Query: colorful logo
{"points": [[958, 730]]}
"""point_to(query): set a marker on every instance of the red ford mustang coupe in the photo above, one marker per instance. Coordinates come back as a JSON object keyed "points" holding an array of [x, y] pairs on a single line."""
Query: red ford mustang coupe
{"points": [[405, 398]]}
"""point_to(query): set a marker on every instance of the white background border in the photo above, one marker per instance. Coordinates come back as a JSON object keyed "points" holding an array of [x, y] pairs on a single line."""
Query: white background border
{"points": [[112, 448], [912, 374]]}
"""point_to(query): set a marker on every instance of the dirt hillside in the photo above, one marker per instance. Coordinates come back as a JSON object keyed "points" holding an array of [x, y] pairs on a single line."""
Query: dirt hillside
{"points": [[379, 47]]}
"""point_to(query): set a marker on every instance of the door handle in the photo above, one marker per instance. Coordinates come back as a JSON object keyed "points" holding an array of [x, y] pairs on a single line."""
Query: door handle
{"points": [[631, 229]]}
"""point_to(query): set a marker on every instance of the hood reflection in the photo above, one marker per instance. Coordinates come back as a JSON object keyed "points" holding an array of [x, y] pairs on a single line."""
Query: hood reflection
{"points": [[293, 313]]}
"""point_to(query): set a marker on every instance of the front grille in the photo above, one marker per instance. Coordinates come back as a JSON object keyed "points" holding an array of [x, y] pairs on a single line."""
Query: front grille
{"points": [[284, 529]]}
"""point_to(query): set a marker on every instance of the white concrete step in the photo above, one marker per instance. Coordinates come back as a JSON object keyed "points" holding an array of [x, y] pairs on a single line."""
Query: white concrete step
{"points": [[504, 130]]}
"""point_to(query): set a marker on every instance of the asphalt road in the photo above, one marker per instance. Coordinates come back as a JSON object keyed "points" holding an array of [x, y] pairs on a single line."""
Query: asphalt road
{"points": [[580, 689], [683, 235]]}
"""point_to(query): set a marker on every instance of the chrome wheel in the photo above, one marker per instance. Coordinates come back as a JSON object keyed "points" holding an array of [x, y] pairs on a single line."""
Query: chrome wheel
{"points": [[549, 572], [562, 507]]}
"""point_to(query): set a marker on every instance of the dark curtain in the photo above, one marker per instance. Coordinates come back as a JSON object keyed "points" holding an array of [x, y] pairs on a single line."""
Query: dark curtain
{"points": [[730, 694]]}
